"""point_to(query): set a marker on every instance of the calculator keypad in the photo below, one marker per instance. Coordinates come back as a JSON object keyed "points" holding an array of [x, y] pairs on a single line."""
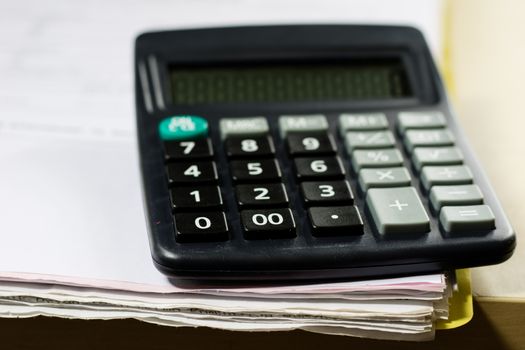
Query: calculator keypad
{"points": [[314, 171]]}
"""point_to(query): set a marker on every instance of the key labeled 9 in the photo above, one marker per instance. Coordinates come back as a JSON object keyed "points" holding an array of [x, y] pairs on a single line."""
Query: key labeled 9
{"points": [[310, 143]]}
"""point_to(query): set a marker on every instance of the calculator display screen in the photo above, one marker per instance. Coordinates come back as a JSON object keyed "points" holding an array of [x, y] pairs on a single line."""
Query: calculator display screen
{"points": [[299, 82]]}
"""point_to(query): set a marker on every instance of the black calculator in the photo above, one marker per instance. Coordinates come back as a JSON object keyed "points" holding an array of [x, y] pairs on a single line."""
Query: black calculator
{"points": [[306, 152]]}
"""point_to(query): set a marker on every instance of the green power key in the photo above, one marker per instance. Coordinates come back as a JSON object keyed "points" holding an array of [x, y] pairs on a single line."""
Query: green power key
{"points": [[183, 127]]}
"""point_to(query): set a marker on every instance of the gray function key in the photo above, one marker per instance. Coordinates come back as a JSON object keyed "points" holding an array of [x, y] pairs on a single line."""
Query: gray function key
{"points": [[376, 158], [427, 138], [445, 175], [362, 122], [243, 126], [472, 218], [383, 177], [423, 156], [368, 139], [397, 210], [302, 123], [420, 120], [441, 196]]}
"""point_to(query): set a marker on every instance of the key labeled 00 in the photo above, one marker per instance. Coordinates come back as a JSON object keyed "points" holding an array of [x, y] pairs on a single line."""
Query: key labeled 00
{"points": [[268, 223]]}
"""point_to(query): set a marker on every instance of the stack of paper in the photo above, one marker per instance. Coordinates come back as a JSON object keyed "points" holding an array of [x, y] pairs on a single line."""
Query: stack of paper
{"points": [[73, 240], [402, 308]]}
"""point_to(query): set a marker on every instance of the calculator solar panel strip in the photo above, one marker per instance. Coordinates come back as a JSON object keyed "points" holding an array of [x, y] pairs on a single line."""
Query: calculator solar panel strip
{"points": [[412, 227]]}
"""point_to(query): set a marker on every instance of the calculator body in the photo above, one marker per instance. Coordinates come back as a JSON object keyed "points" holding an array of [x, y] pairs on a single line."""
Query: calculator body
{"points": [[302, 249]]}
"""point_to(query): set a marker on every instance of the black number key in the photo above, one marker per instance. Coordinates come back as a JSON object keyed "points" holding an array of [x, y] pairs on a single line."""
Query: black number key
{"points": [[198, 171], [261, 195], [321, 192], [200, 148], [320, 167], [256, 170], [190, 197], [310, 144], [201, 227], [328, 221], [249, 146], [268, 223]]}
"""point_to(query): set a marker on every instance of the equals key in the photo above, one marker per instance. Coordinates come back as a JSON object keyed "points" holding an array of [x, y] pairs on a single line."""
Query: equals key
{"points": [[472, 218]]}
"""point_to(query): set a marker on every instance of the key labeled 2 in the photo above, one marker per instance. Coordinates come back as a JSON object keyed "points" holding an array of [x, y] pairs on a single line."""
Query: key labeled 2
{"points": [[261, 195], [268, 223]]}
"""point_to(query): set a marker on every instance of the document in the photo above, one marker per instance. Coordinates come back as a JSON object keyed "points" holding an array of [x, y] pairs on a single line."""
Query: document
{"points": [[73, 239]]}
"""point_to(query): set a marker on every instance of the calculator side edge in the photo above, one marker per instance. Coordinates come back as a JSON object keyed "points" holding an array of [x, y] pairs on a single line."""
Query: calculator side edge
{"points": [[506, 239], [160, 244]]}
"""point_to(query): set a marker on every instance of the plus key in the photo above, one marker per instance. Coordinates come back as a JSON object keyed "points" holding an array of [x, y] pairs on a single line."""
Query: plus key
{"points": [[397, 210]]}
